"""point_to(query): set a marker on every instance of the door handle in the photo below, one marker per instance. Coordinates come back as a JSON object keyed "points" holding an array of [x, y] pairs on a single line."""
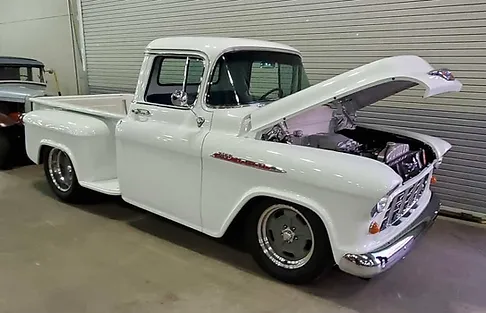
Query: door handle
{"points": [[142, 112]]}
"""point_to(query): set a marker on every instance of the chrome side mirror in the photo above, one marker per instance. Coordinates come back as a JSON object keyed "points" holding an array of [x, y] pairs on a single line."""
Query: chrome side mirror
{"points": [[179, 98]]}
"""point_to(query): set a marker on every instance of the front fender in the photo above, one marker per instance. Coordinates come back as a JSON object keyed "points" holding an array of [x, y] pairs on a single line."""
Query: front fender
{"points": [[265, 191], [340, 188]]}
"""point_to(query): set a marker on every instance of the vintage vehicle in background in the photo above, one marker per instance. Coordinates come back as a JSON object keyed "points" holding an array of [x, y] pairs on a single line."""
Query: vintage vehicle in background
{"points": [[225, 132], [20, 79]]}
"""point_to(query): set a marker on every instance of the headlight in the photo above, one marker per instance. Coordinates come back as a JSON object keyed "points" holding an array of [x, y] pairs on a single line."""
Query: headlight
{"points": [[380, 206], [438, 163]]}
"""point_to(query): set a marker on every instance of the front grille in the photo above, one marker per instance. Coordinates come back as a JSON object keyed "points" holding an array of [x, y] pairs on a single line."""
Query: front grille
{"points": [[403, 203]]}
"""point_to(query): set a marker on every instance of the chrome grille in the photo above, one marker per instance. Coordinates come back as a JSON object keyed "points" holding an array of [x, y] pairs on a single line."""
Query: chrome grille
{"points": [[403, 203]]}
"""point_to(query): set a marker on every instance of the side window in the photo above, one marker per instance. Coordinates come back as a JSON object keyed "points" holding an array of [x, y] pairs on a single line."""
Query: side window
{"points": [[173, 73], [195, 72], [217, 70]]}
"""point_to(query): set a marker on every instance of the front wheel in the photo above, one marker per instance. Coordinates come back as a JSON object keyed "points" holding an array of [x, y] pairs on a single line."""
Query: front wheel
{"points": [[289, 242], [61, 176]]}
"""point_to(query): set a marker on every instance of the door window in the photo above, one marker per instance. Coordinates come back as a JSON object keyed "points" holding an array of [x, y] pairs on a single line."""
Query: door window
{"points": [[174, 73]]}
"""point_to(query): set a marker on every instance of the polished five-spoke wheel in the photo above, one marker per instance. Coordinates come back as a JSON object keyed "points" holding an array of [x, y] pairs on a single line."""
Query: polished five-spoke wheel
{"points": [[61, 175], [60, 170], [288, 241], [285, 236]]}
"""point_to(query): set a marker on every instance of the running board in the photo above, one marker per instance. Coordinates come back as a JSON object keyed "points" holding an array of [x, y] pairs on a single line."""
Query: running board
{"points": [[109, 187]]}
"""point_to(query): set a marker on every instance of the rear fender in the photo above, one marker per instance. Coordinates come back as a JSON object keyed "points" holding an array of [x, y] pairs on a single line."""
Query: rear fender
{"points": [[46, 143], [88, 141]]}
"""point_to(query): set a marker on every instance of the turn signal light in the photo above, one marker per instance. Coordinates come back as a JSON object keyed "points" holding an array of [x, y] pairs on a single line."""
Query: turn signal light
{"points": [[433, 180], [374, 228]]}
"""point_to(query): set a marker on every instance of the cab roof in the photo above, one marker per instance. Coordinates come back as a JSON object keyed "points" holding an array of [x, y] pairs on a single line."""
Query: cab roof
{"points": [[214, 46], [17, 61]]}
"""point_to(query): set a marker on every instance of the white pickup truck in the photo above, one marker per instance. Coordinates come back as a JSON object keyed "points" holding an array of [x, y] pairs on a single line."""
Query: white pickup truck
{"points": [[228, 132]]}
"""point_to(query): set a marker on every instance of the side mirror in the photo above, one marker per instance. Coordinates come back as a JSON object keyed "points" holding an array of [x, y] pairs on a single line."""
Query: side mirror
{"points": [[179, 98]]}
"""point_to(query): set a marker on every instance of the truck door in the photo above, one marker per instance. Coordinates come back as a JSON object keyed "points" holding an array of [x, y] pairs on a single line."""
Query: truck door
{"points": [[159, 142]]}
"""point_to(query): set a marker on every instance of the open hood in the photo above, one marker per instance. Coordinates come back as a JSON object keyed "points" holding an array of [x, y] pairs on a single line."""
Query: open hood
{"points": [[364, 86]]}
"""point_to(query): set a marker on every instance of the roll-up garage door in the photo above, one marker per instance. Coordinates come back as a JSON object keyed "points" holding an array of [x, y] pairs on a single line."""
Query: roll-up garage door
{"points": [[334, 36]]}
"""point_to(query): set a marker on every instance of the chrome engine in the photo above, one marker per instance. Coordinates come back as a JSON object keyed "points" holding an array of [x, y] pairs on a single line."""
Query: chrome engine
{"points": [[406, 162]]}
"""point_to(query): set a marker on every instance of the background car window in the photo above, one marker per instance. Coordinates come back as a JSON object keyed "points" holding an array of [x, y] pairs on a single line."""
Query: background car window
{"points": [[24, 74], [168, 76]]}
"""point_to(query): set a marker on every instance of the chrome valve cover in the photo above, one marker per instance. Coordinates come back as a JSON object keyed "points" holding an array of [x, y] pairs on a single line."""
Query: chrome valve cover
{"points": [[392, 151]]}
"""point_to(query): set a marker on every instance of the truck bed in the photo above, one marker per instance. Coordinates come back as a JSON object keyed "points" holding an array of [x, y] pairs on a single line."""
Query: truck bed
{"points": [[106, 105]]}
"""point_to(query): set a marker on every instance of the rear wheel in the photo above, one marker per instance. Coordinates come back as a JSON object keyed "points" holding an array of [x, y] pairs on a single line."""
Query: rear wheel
{"points": [[289, 242], [61, 176], [5, 148]]}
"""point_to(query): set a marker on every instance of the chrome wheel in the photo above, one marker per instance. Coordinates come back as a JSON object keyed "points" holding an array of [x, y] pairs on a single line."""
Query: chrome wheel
{"points": [[285, 236], [60, 170]]}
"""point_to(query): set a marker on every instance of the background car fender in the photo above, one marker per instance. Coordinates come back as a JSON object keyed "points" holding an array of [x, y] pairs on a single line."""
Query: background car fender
{"points": [[6, 121]]}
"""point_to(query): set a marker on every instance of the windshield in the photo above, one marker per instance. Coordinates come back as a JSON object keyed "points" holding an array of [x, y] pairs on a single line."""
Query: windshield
{"points": [[249, 77], [22, 73]]}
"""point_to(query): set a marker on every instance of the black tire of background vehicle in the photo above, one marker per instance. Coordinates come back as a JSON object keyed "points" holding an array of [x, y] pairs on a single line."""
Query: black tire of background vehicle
{"points": [[4, 152], [76, 193], [321, 261]]}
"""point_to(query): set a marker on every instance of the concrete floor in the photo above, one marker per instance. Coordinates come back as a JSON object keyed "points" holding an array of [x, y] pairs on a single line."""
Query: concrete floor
{"points": [[115, 258]]}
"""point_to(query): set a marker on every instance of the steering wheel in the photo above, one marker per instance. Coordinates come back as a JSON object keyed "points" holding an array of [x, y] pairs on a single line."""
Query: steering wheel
{"points": [[280, 93]]}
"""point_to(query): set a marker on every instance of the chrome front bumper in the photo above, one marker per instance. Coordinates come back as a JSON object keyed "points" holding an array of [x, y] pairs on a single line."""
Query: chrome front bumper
{"points": [[373, 263]]}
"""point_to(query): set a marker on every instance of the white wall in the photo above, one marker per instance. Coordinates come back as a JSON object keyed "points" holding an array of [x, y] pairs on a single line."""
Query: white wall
{"points": [[40, 30]]}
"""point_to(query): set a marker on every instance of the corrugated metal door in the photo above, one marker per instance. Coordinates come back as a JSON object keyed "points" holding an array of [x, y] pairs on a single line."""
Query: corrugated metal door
{"points": [[334, 36]]}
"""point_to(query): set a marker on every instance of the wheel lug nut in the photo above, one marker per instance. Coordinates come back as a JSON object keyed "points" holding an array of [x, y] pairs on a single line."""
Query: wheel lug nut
{"points": [[296, 238], [293, 228], [285, 226]]}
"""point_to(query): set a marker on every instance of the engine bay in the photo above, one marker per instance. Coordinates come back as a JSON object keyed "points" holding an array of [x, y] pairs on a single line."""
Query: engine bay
{"points": [[406, 156]]}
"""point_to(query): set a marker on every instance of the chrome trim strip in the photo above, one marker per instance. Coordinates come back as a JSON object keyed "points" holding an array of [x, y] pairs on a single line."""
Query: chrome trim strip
{"points": [[258, 165], [370, 264]]}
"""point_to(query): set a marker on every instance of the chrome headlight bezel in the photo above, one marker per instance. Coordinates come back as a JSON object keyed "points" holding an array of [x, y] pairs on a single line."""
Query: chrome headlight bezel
{"points": [[383, 203], [380, 206]]}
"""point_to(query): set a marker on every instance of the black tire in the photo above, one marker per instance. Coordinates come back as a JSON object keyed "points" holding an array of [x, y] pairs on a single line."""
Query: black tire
{"points": [[75, 193], [321, 259], [5, 150]]}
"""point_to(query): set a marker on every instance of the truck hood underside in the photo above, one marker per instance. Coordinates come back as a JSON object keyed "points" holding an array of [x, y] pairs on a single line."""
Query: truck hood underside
{"points": [[356, 89]]}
